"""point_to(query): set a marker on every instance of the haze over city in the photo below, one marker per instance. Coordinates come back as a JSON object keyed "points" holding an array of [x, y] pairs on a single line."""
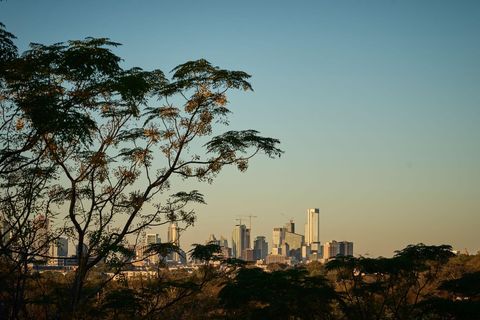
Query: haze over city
{"points": [[376, 105]]}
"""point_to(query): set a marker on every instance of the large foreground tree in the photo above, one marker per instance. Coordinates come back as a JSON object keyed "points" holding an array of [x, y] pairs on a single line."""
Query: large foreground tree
{"points": [[105, 143]]}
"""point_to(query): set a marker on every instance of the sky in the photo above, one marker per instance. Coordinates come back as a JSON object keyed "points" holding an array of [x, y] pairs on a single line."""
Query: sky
{"points": [[376, 105]]}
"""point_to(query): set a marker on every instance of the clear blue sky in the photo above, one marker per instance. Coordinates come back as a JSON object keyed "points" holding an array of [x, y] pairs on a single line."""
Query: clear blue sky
{"points": [[377, 105]]}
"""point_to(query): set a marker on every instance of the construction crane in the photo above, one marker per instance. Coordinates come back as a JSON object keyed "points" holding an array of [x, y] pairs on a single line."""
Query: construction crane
{"points": [[250, 219]]}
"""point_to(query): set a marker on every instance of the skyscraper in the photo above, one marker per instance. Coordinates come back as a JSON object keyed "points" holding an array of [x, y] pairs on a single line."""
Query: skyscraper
{"points": [[261, 247], [174, 238], [239, 240], [58, 250], [151, 238], [247, 238], [312, 229], [278, 237]]}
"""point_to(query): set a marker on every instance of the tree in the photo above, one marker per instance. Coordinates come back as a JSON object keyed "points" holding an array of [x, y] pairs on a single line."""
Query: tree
{"points": [[389, 288], [284, 294], [461, 301], [24, 175], [206, 253], [110, 140]]}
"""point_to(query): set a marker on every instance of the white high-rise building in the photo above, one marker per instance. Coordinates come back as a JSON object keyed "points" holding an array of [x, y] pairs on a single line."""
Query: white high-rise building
{"points": [[312, 228], [174, 237]]}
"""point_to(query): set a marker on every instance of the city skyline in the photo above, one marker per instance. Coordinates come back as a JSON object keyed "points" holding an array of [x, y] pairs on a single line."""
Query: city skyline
{"points": [[375, 105], [239, 242]]}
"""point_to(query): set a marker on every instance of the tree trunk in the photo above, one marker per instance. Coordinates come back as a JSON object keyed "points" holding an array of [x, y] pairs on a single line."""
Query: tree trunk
{"points": [[79, 281]]}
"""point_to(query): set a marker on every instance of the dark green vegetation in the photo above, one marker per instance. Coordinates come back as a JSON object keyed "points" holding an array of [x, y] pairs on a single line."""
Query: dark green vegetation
{"points": [[419, 282], [89, 150]]}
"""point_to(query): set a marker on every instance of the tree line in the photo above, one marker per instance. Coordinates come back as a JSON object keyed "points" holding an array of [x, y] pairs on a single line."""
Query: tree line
{"points": [[418, 282]]}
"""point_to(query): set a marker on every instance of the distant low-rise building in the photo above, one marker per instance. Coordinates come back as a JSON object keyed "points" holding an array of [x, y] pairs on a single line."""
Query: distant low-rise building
{"points": [[330, 249], [248, 254], [275, 258]]}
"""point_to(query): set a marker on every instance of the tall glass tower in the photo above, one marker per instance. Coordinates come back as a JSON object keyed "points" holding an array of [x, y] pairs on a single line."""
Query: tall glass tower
{"points": [[239, 240], [312, 228], [174, 237]]}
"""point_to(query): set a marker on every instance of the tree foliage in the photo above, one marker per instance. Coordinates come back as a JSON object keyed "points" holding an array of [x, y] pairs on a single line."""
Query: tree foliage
{"points": [[389, 288], [288, 294], [102, 144]]}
